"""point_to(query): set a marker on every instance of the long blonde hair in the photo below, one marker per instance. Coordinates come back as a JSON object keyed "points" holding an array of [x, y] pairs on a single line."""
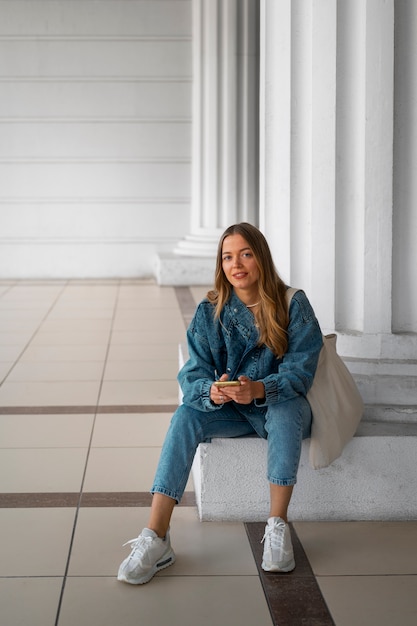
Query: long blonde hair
{"points": [[272, 315]]}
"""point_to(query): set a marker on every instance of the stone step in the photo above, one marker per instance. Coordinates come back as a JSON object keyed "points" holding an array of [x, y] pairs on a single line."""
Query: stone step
{"points": [[374, 479]]}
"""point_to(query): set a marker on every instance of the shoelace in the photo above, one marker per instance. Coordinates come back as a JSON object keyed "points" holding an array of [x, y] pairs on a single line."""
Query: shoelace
{"points": [[138, 543], [276, 538]]}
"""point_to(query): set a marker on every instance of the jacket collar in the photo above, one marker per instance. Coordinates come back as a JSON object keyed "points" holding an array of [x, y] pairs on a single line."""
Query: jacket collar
{"points": [[238, 315]]}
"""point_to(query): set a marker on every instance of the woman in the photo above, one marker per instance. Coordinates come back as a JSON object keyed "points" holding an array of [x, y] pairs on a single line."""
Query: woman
{"points": [[242, 331]]}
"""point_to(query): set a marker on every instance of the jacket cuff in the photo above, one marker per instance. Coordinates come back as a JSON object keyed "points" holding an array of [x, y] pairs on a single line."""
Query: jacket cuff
{"points": [[208, 405], [271, 392]]}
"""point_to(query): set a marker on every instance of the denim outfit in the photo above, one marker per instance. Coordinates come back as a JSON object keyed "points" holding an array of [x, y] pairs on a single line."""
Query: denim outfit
{"points": [[229, 345]]}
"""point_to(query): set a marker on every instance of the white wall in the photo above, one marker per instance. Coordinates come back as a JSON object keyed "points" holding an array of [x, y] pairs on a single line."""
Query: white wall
{"points": [[95, 135]]}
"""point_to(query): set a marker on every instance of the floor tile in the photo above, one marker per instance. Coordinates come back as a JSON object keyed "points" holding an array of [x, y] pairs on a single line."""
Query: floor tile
{"points": [[354, 548], [5, 367], [22, 317], [45, 431], [139, 392], [9, 323], [74, 338], [35, 542], [34, 292], [176, 601], [41, 469], [371, 600], [31, 601], [202, 549], [86, 312], [140, 336], [64, 353], [10, 353], [146, 296], [145, 333], [73, 325], [149, 314], [89, 290], [151, 351], [167, 369], [27, 307], [34, 371], [135, 469], [85, 301], [121, 469], [130, 429], [15, 338], [53, 393], [199, 293], [209, 548]]}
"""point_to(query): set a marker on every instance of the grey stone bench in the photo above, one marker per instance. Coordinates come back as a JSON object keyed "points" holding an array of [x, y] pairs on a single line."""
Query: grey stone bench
{"points": [[374, 479]]}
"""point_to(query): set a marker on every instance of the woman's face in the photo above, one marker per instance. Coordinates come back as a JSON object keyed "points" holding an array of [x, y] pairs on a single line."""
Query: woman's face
{"points": [[239, 265]]}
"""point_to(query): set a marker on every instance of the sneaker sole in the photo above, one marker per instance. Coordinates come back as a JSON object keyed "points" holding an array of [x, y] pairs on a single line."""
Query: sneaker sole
{"points": [[285, 567], [167, 560]]}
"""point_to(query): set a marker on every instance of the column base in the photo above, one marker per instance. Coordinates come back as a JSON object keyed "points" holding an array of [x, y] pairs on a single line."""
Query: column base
{"points": [[175, 270], [199, 245]]}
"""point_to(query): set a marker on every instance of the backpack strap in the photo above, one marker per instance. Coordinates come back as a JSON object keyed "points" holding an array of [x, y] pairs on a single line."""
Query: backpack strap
{"points": [[289, 294]]}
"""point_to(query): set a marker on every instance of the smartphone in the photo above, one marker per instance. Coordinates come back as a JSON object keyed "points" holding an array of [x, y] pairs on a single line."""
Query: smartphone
{"points": [[227, 383]]}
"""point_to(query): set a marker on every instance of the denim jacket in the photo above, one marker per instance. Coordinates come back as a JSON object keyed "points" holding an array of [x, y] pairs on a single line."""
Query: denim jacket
{"points": [[229, 346]]}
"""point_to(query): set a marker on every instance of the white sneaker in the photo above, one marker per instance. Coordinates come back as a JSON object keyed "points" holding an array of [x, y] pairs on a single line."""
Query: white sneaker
{"points": [[278, 551], [149, 555]]}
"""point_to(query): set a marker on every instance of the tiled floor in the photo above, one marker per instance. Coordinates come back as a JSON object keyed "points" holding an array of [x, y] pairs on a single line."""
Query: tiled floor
{"points": [[88, 373]]}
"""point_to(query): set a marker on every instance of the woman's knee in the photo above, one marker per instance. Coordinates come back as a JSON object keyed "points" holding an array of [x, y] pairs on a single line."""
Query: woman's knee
{"points": [[291, 414], [188, 420]]}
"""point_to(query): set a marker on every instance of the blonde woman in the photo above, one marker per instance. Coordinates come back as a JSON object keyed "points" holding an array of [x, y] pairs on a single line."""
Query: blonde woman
{"points": [[241, 332]]}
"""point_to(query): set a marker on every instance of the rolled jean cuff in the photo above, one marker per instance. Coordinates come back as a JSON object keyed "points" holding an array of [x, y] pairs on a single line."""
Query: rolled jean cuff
{"points": [[166, 492], [286, 482]]}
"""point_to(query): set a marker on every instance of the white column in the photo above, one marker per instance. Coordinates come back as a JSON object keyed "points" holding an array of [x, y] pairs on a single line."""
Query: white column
{"points": [[225, 121], [326, 179], [297, 145], [365, 156], [275, 130]]}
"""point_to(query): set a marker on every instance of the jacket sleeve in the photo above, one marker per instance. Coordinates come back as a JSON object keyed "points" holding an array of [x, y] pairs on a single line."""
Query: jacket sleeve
{"points": [[298, 366], [199, 372]]}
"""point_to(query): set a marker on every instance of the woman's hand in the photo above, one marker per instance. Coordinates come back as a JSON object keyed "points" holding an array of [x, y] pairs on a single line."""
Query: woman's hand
{"points": [[247, 391], [217, 394]]}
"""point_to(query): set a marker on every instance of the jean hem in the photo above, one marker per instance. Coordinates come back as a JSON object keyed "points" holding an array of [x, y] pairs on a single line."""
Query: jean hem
{"points": [[289, 482], [166, 492]]}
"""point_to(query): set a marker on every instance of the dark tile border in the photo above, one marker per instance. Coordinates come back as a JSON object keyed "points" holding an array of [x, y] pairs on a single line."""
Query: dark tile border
{"points": [[38, 500], [294, 599], [90, 409], [84, 500], [186, 303]]}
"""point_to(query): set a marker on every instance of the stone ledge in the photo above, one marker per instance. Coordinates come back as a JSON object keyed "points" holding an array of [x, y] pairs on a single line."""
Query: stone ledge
{"points": [[374, 479]]}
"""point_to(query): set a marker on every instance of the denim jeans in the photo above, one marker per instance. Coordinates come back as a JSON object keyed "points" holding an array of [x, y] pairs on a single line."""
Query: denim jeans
{"points": [[283, 424]]}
